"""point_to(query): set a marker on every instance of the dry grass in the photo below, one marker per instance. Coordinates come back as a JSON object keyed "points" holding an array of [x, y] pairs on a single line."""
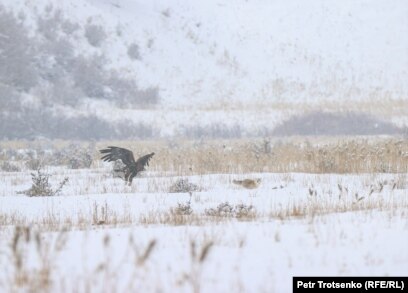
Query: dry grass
{"points": [[25, 276], [313, 155], [292, 155], [102, 216], [46, 275], [317, 207]]}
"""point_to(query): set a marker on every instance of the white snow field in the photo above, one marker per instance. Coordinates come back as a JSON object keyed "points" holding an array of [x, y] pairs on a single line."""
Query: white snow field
{"points": [[223, 65], [99, 235]]}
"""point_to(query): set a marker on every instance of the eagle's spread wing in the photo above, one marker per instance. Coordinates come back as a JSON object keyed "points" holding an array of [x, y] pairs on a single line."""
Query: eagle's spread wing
{"points": [[142, 162], [117, 153]]}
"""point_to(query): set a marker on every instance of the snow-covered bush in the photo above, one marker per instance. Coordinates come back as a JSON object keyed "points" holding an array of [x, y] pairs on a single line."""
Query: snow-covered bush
{"points": [[41, 185], [182, 209], [77, 157], [183, 185], [227, 210]]}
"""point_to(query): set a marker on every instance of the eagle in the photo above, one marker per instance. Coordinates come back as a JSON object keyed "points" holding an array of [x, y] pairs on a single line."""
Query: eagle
{"points": [[132, 167]]}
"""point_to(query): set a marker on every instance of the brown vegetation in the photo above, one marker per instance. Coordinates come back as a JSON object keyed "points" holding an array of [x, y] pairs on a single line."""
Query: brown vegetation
{"points": [[313, 155]]}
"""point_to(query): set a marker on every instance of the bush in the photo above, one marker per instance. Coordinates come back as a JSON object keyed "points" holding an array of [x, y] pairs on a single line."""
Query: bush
{"points": [[80, 160], [227, 210], [41, 186], [77, 157], [182, 209], [182, 185], [7, 167]]}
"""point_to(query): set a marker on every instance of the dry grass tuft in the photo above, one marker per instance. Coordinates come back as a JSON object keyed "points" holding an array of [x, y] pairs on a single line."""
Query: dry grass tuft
{"points": [[28, 241]]}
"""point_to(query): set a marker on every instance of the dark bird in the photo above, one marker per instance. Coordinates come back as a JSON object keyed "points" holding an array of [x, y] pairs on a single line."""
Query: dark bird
{"points": [[132, 167]]}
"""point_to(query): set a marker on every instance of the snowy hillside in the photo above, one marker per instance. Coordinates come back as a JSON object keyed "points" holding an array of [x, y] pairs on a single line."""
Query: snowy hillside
{"points": [[244, 50], [246, 55]]}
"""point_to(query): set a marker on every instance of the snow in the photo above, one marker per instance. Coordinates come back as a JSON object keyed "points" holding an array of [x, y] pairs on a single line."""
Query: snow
{"points": [[214, 51], [259, 254], [237, 63], [246, 63]]}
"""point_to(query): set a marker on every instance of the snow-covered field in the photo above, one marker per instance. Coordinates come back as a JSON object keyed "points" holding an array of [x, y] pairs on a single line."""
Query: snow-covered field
{"points": [[99, 235], [199, 70]]}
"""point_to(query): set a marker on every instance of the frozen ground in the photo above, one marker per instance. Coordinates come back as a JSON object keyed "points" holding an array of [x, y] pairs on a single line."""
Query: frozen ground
{"points": [[300, 224]]}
